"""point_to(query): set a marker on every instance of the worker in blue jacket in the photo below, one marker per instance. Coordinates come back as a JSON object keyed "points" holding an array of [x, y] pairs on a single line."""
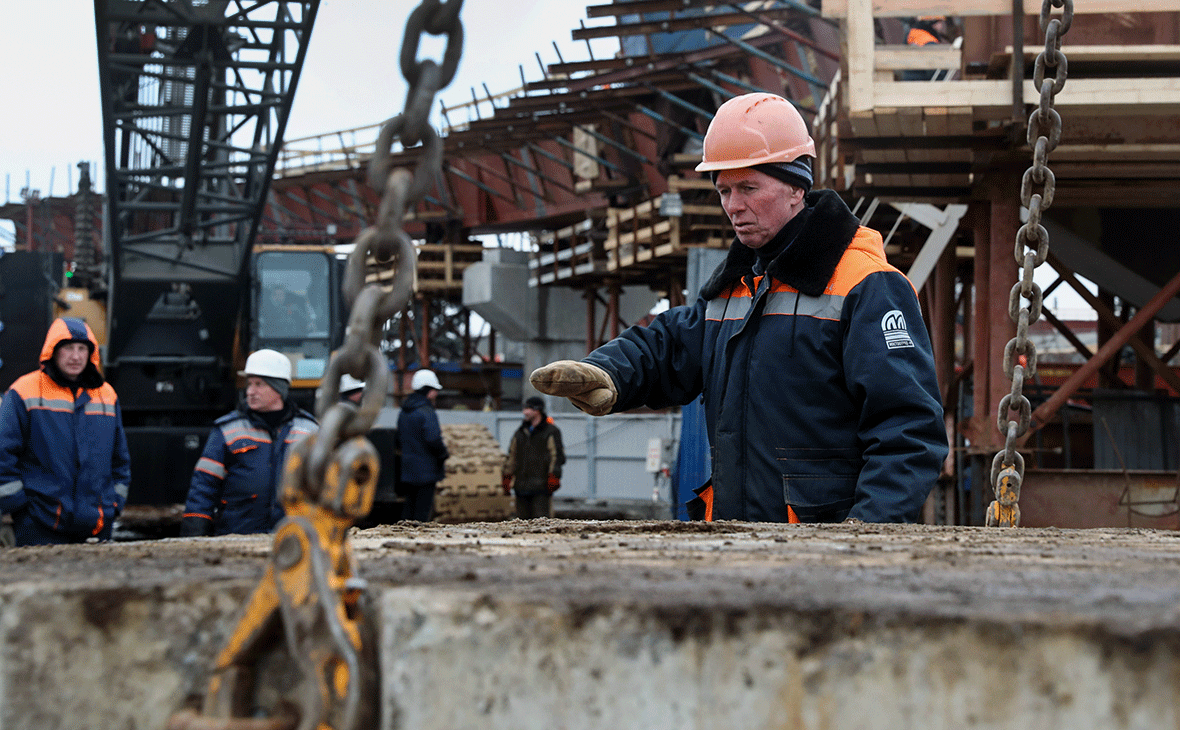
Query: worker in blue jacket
{"points": [[236, 484], [64, 464], [423, 451], [808, 348]]}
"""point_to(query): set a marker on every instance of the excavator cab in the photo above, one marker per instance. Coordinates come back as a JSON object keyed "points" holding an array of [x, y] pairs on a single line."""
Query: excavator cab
{"points": [[296, 309]]}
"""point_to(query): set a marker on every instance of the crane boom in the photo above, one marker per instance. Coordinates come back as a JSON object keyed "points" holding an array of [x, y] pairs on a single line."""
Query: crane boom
{"points": [[195, 99]]}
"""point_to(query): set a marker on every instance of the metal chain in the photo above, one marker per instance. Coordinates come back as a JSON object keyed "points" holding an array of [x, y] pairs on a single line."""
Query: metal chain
{"points": [[1032, 247], [329, 477], [386, 244]]}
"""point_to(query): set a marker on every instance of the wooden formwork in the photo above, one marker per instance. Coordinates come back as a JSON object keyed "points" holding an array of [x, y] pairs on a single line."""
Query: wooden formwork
{"points": [[441, 265], [570, 252], [642, 237]]}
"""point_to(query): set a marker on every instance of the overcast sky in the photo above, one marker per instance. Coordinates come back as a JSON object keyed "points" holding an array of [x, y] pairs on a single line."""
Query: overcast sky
{"points": [[351, 78]]}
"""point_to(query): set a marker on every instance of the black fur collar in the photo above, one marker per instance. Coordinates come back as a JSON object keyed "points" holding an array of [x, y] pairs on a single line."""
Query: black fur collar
{"points": [[808, 263]]}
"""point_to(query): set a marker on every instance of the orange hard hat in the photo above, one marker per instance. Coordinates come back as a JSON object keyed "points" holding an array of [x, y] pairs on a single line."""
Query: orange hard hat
{"points": [[755, 129]]}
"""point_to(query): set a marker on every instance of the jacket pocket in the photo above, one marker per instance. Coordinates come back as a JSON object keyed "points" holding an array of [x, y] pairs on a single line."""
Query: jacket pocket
{"points": [[236, 514], [820, 484]]}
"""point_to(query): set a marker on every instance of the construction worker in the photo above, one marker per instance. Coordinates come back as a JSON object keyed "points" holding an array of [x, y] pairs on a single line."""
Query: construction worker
{"points": [[423, 452], [235, 485], [351, 389], [924, 31], [64, 464], [535, 456], [809, 349]]}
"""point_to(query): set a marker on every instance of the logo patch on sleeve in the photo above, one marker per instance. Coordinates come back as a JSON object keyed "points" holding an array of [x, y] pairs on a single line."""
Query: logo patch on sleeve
{"points": [[893, 327]]}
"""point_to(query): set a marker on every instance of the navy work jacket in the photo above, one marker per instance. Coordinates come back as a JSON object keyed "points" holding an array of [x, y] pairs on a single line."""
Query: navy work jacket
{"points": [[817, 377], [235, 485]]}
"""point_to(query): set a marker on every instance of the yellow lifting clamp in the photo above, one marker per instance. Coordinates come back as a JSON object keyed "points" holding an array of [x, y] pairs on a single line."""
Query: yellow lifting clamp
{"points": [[308, 597]]}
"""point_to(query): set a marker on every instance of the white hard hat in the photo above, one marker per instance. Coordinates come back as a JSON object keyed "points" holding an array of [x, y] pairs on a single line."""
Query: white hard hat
{"points": [[349, 383], [268, 364], [423, 379]]}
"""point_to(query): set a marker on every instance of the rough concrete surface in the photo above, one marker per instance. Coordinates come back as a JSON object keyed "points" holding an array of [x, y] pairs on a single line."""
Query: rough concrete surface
{"points": [[569, 624]]}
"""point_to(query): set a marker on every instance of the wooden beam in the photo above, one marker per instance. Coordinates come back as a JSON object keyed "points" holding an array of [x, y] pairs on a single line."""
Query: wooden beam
{"points": [[1112, 96], [932, 56], [1032, 8], [859, 39]]}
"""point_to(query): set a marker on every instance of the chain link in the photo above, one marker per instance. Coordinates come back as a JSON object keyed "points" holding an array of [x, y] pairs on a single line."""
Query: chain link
{"points": [[1032, 247], [329, 477], [386, 244]]}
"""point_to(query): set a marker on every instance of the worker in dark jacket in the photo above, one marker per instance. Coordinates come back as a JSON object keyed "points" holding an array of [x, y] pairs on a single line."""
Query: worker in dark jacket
{"points": [[924, 31], [64, 464], [236, 484], [423, 452], [535, 456], [809, 349]]}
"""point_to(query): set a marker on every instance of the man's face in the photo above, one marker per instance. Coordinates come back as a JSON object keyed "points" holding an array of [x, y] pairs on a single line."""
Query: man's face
{"points": [[71, 358], [757, 204], [261, 397], [532, 415]]}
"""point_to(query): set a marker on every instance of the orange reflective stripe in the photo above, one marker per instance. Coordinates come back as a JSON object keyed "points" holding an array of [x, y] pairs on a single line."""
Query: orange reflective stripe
{"points": [[198, 514], [792, 518], [707, 495], [98, 527]]}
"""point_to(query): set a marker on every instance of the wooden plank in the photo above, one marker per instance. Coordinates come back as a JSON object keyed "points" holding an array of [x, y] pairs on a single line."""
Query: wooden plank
{"points": [[911, 124], [644, 235], [704, 210], [928, 57], [686, 183], [1098, 53], [1122, 96], [958, 120], [864, 124], [1116, 152], [935, 121], [1032, 8], [888, 124], [858, 55], [909, 121], [1165, 170]]}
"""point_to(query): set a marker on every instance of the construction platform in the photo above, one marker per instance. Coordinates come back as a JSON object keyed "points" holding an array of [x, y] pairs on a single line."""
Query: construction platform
{"points": [[571, 624]]}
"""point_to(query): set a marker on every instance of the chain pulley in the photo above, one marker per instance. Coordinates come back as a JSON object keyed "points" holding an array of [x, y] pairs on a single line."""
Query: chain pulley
{"points": [[1037, 188], [310, 587]]}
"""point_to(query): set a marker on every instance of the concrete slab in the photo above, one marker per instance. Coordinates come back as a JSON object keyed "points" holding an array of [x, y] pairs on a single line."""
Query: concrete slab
{"points": [[640, 625]]}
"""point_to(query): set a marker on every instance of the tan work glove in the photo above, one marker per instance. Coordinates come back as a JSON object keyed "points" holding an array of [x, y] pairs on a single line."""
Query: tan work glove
{"points": [[588, 387]]}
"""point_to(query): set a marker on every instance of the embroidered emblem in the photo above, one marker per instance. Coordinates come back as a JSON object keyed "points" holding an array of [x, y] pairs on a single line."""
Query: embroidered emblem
{"points": [[896, 334]]}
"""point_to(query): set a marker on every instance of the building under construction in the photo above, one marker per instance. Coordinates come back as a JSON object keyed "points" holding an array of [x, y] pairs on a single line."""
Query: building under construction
{"points": [[591, 167]]}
